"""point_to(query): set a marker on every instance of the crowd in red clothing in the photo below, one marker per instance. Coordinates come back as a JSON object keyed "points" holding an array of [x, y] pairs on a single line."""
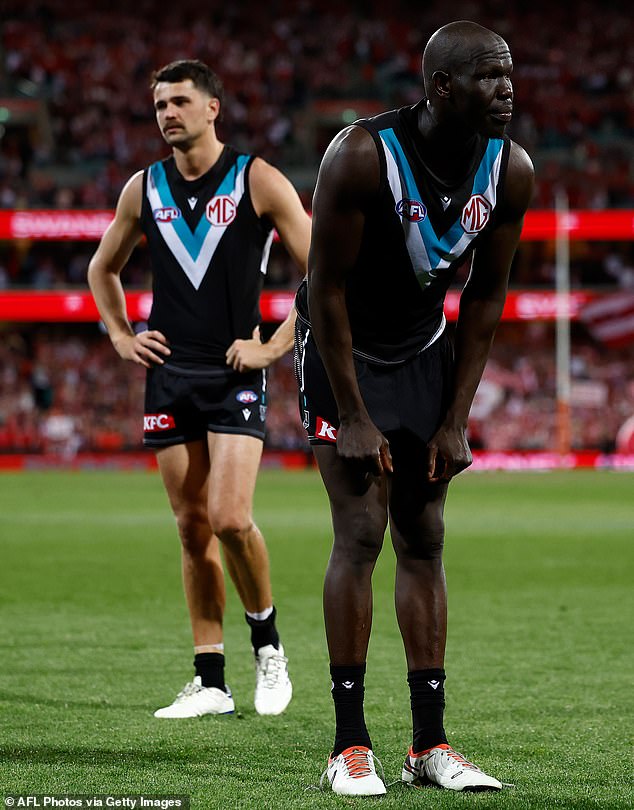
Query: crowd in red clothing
{"points": [[283, 63], [294, 73], [63, 390]]}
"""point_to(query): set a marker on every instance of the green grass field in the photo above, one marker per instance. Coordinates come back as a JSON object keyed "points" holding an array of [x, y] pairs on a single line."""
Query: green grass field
{"points": [[94, 636]]}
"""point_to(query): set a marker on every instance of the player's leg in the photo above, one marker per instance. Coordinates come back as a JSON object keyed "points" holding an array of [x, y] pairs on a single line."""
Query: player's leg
{"points": [[417, 529], [234, 465], [184, 469], [359, 515]]}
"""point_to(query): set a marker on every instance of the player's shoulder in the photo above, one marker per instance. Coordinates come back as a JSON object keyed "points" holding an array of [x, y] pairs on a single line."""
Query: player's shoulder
{"points": [[351, 162], [520, 178], [266, 180], [519, 160], [131, 196]]}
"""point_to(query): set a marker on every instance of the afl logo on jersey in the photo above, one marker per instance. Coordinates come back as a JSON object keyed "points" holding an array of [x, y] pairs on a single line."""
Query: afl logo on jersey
{"points": [[221, 210], [166, 214], [413, 210], [475, 214], [247, 397]]}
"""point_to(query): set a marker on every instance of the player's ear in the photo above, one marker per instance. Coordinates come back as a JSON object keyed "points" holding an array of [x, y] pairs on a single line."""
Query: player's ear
{"points": [[441, 83], [213, 110]]}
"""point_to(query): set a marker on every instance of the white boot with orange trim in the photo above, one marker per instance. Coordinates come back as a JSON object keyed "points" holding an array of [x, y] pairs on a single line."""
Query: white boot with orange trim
{"points": [[446, 768], [352, 773]]}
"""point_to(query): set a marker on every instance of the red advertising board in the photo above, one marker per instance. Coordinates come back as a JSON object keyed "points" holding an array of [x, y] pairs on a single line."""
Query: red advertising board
{"points": [[78, 305], [77, 225]]}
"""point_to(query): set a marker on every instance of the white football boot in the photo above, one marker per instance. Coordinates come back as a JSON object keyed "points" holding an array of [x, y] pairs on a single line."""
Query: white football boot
{"points": [[273, 687], [352, 773], [195, 700], [446, 768]]}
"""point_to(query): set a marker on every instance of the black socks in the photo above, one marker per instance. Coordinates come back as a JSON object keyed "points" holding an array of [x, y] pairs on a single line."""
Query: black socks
{"points": [[427, 697], [347, 693], [211, 668], [263, 632]]}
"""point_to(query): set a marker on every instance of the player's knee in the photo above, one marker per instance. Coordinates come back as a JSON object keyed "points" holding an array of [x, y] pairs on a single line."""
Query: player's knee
{"points": [[233, 531], [422, 540], [194, 531], [360, 539], [431, 546]]}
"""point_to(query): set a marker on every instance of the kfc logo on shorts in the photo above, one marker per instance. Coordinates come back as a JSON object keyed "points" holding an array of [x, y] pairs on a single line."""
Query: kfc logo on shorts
{"points": [[153, 422], [221, 210], [247, 397], [166, 214], [325, 430], [475, 214], [412, 210]]}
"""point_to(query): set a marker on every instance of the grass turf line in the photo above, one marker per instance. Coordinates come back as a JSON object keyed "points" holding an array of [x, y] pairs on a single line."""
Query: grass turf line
{"points": [[94, 636]]}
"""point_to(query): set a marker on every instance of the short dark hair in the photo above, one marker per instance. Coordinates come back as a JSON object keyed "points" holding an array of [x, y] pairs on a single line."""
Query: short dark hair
{"points": [[202, 76]]}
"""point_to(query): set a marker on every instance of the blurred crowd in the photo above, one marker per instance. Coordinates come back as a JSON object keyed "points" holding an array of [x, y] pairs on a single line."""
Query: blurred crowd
{"points": [[76, 121], [63, 390], [294, 73]]}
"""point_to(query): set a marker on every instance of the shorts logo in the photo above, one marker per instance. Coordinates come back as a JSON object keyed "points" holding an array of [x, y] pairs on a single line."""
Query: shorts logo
{"points": [[262, 413], [325, 430], [246, 413], [306, 421], [475, 214], [247, 397], [158, 421], [413, 210], [221, 210], [166, 214]]}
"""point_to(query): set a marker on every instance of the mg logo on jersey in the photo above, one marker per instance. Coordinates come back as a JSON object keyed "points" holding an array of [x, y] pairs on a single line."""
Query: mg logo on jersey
{"points": [[475, 214], [413, 210], [221, 210], [324, 430], [166, 214], [158, 421]]}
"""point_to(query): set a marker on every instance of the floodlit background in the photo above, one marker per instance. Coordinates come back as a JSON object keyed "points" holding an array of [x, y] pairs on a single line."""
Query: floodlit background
{"points": [[94, 632], [76, 121]]}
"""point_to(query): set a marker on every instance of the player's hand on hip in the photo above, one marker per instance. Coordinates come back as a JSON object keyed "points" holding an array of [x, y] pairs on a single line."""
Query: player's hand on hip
{"points": [[449, 454], [145, 348], [360, 442], [248, 355]]}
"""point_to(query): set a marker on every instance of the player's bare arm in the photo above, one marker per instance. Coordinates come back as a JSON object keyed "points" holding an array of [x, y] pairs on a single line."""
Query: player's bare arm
{"points": [[348, 177], [275, 197], [481, 305], [104, 278]]}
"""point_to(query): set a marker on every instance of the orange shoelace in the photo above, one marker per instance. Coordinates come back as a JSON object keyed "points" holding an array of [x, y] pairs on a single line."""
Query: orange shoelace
{"points": [[357, 762], [458, 757]]}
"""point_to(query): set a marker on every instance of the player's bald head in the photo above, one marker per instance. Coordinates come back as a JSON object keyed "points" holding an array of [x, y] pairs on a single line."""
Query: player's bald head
{"points": [[454, 45]]}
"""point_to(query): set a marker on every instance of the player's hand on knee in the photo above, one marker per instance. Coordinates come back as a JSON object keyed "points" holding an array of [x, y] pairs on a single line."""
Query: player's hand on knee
{"points": [[145, 348], [449, 454], [361, 443]]}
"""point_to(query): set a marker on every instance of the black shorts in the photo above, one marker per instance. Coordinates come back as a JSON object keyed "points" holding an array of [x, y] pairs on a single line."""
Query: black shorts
{"points": [[410, 397], [183, 405]]}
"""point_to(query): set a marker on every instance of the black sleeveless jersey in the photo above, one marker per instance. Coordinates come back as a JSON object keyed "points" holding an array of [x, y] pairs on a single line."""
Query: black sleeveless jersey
{"points": [[418, 231], [209, 252]]}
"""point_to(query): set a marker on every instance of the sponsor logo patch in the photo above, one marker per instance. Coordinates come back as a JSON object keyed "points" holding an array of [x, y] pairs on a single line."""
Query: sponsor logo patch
{"points": [[221, 210], [153, 422], [412, 210], [325, 430], [166, 214], [475, 214], [247, 397]]}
